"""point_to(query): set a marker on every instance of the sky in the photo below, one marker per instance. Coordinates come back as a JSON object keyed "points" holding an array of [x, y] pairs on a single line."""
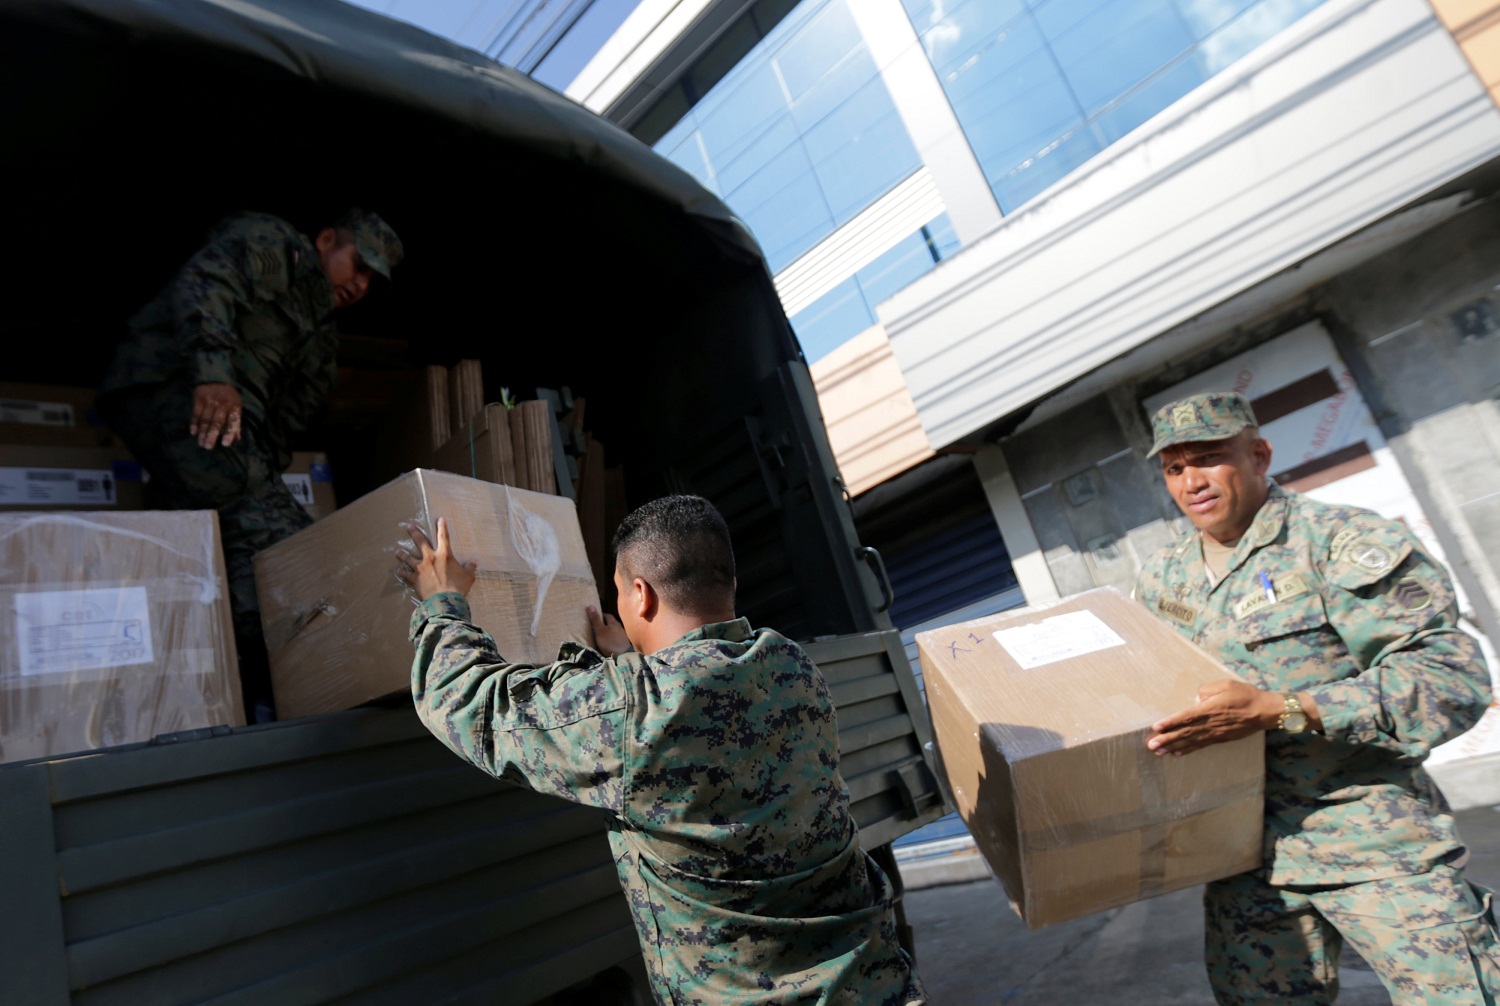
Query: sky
{"points": [[518, 32]]}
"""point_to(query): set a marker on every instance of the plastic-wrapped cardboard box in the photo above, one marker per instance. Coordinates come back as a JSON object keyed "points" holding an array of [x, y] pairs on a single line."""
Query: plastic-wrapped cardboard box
{"points": [[335, 615], [116, 629], [1041, 718]]}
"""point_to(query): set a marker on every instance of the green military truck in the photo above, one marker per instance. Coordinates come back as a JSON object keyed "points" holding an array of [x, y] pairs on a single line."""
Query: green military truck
{"points": [[349, 858]]}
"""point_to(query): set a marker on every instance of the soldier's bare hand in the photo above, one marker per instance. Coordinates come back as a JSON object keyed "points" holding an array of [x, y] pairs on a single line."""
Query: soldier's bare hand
{"points": [[609, 634], [216, 415], [1225, 711], [433, 569]]}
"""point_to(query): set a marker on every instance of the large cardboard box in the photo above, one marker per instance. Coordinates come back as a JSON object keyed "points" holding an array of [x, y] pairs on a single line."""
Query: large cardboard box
{"points": [[1041, 718], [114, 628], [47, 405], [335, 614], [37, 477]]}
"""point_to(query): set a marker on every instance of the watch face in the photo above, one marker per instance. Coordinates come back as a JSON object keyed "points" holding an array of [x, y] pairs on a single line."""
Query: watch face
{"points": [[1294, 723]]}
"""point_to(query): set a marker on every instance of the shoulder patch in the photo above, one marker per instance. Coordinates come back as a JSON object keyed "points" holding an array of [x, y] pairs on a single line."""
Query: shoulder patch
{"points": [[1367, 549]]}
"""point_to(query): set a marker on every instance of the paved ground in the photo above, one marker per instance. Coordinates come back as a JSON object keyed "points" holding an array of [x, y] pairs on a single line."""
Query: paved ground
{"points": [[972, 950]]}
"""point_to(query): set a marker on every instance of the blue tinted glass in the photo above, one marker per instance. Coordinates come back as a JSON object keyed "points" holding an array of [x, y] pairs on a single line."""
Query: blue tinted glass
{"points": [[1118, 45], [1150, 97], [941, 231], [1204, 17], [910, 258], [760, 148], [832, 320], [1249, 30], [1040, 87], [801, 135], [1050, 165], [684, 148], [861, 150], [573, 51], [966, 30]]}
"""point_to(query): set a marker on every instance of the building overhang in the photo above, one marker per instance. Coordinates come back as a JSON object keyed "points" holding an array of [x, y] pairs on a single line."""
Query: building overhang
{"points": [[1338, 139]]}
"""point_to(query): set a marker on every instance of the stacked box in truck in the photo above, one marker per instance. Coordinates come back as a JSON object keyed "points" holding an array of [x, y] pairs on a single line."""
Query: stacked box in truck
{"points": [[349, 856]]}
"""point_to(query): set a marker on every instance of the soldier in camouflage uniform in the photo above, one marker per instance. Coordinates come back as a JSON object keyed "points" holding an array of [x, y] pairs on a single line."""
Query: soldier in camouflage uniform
{"points": [[714, 748], [224, 367], [1347, 635]]}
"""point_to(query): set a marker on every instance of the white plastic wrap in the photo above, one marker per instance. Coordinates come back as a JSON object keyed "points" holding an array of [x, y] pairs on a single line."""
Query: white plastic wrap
{"points": [[335, 615], [1041, 718], [116, 629]]}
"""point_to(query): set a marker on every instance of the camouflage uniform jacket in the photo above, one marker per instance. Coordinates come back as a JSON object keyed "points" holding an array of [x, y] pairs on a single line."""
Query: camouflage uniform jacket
{"points": [[251, 308], [717, 761], [1365, 623]]}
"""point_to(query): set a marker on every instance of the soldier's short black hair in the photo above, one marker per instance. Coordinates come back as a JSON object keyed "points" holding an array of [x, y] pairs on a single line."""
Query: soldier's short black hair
{"points": [[680, 545]]}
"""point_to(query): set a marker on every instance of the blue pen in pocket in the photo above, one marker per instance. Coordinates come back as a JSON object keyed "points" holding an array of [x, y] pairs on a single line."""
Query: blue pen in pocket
{"points": [[1265, 581]]}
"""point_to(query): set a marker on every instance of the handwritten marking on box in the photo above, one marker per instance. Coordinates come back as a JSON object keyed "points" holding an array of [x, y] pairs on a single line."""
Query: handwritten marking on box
{"points": [[1057, 638], [58, 631]]}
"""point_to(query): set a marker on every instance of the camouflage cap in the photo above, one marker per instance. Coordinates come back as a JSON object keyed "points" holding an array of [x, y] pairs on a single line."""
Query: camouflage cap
{"points": [[1213, 415], [377, 243]]}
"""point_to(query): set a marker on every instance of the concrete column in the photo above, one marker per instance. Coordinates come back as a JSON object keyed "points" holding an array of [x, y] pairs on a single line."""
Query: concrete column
{"points": [[1026, 557], [929, 119]]}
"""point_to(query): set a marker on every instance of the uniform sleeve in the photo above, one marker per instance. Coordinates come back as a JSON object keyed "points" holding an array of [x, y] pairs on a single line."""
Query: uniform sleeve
{"points": [[241, 262], [557, 729], [1424, 679]]}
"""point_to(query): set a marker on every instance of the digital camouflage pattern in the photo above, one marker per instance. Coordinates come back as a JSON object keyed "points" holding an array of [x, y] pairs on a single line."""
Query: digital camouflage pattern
{"points": [[377, 243], [251, 308], [1213, 415], [1430, 938], [717, 760], [1366, 623]]}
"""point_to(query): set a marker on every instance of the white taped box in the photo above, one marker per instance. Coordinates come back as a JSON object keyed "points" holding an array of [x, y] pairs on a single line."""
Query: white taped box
{"points": [[1041, 717], [116, 629], [335, 614]]}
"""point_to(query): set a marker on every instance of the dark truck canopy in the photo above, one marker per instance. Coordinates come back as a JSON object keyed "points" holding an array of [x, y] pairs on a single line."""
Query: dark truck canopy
{"points": [[539, 238]]}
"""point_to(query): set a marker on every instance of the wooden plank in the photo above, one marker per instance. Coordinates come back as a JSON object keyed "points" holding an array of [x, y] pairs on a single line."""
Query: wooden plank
{"points": [[33, 960]]}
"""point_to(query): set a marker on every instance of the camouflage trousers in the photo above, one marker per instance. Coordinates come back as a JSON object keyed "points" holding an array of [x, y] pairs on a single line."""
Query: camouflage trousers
{"points": [[242, 482], [1430, 938]]}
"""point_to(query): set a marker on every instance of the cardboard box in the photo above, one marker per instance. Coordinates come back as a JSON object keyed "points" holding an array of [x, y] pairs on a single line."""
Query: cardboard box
{"points": [[114, 628], [1041, 717], [335, 615], [47, 405], [37, 477], [310, 478]]}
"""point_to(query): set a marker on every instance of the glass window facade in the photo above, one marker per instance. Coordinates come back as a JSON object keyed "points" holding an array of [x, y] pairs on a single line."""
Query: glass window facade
{"points": [[1040, 86], [849, 308], [799, 135]]}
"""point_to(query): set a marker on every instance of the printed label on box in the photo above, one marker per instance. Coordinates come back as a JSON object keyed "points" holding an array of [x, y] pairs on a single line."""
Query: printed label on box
{"points": [[14, 410], [1057, 638], [58, 631], [55, 486], [301, 487]]}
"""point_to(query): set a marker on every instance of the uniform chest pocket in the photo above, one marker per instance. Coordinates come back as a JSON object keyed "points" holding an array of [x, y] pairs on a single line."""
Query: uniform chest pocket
{"points": [[1296, 617]]}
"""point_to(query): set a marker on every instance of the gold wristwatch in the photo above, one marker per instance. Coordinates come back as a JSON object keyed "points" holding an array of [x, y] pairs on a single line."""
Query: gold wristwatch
{"points": [[1293, 720]]}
